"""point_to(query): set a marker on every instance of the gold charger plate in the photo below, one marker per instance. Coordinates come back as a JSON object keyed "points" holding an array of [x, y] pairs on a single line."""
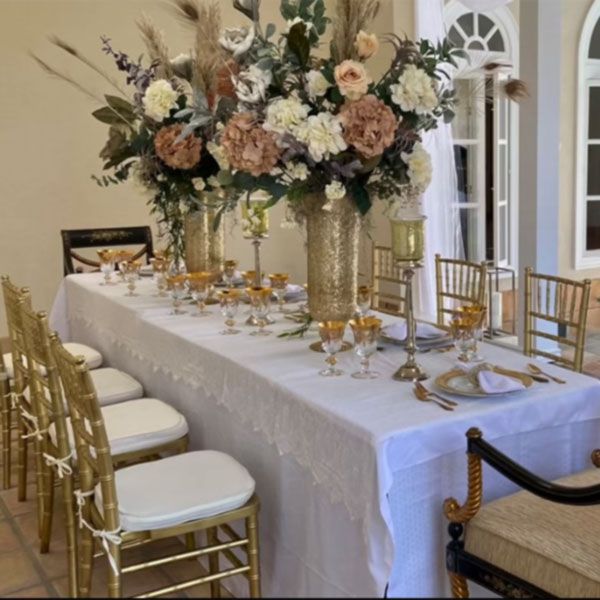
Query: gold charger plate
{"points": [[463, 386]]}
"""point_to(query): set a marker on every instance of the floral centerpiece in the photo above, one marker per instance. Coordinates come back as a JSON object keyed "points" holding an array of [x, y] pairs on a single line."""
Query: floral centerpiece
{"points": [[161, 125], [320, 132]]}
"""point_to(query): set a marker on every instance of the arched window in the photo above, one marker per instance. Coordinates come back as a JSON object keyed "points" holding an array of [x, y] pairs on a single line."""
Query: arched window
{"points": [[587, 234], [485, 133]]}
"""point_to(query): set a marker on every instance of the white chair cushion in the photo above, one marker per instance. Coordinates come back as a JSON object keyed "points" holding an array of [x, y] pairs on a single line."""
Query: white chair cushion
{"points": [[180, 488], [114, 386], [93, 358], [137, 425]]}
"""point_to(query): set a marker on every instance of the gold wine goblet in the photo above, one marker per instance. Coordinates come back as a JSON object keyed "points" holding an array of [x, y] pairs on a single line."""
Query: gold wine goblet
{"points": [[230, 301], [177, 289], [279, 283], [363, 300], [332, 338], [229, 272], [260, 300], [199, 285], [366, 332], [107, 265]]}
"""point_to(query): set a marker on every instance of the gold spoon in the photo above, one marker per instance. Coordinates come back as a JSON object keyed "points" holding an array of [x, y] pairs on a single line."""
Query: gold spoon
{"points": [[535, 369], [424, 390], [425, 397]]}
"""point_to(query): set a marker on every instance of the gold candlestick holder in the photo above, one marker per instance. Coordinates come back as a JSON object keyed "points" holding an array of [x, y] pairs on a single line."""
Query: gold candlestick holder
{"points": [[408, 250]]}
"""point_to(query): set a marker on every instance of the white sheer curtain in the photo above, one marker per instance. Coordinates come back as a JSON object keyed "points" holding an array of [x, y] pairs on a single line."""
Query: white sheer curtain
{"points": [[440, 199]]}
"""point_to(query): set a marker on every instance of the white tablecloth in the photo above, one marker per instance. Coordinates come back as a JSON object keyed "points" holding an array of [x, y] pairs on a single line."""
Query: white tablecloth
{"points": [[351, 474]]}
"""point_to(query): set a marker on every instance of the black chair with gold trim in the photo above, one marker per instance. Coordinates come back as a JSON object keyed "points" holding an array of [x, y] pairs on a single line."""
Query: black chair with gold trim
{"points": [[74, 239], [541, 542]]}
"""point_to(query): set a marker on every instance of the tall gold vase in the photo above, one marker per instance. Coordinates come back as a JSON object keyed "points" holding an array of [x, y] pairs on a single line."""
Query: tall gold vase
{"points": [[204, 247], [333, 246]]}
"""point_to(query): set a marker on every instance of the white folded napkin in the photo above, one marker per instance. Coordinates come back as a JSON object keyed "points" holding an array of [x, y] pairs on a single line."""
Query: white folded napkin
{"points": [[425, 331], [293, 289], [495, 383]]}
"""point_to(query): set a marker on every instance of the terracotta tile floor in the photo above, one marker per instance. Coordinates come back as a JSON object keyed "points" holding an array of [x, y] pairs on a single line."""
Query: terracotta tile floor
{"points": [[25, 573]]}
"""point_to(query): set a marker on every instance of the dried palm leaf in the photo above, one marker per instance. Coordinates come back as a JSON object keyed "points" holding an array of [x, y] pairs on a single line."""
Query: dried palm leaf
{"points": [[156, 45], [350, 17], [60, 43]]}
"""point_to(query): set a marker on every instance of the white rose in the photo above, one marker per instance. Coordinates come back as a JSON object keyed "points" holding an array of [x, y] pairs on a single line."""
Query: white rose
{"points": [[415, 91], [335, 191], [159, 99], [291, 22], [251, 85], [237, 40], [285, 114], [419, 166], [317, 84], [198, 183], [322, 135], [298, 171]]}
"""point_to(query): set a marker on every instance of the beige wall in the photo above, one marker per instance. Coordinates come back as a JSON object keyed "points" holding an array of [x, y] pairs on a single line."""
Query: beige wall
{"points": [[574, 13], [49, 143]]}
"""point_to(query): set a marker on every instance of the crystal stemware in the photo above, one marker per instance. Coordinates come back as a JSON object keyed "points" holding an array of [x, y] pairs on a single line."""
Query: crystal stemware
{"points": [[229, 272], [177, 288], [462, 329], [131, 271], [332, 337], [260, 300], [199, 284], [230, 301], [159, 266], [366, 333], [107, 265], [477, 314], [121, 257], [363, 300], [279, 283]]}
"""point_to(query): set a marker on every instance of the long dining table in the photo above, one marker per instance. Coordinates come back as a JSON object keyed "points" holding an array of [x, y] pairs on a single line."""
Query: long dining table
{"points": [[351, 473]]}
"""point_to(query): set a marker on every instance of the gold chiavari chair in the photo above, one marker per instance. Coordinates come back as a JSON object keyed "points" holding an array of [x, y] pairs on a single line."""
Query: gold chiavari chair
{"points": [[460, 282], [389, 289], [138, 430], [178, 495], [563, 303], [5, 423]]}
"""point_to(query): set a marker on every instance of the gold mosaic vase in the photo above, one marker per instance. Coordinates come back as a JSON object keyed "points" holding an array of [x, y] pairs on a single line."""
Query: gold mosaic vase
{"points": [[204, 247], [333, 246]]}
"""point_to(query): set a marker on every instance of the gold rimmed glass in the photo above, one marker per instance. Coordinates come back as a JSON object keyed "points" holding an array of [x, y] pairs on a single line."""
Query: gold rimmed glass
{"points": [[463, 327], [260, 300], [477, 314], [366, 332], [177, 288], [363, 300], [332, 338], [159, 266], [107, 265], [131, 273], [200, 287], [230, 302], [122, 256], [229, 268], [279, 283]]}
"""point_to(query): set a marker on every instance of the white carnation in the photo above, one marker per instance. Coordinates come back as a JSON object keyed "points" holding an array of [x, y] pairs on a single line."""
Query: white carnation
{"points": [[237, 40], [317, 84], [218, 153], [415, 91], [419, 166], [160, 98], [298, 171], [251, 85], [335, 191], [322, 134], [285, 114]]}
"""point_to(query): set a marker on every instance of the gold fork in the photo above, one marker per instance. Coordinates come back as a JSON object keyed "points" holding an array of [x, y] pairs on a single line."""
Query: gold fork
{"points": [[425, 396], [424, 390]]}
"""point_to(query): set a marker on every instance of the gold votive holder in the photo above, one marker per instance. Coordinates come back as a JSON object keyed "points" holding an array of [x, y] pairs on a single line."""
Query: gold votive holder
{"points": [[408, 239], [255, 218]]}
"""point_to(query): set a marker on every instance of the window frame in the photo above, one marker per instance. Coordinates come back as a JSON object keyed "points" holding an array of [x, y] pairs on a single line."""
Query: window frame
{"points": [[588, 76]]}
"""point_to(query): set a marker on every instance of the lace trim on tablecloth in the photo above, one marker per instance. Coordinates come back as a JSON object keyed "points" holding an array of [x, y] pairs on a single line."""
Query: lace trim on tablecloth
{"points": [[267, 407]]}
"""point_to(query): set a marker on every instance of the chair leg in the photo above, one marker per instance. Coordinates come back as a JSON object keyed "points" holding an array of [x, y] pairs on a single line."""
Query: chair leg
{"points": [[67, 488], [114, 578], [6, 442], [460, 587], [213, 562], [47, 509], [86, 562], [190, 542], [253, 557], [39, 483], [21, 462]]}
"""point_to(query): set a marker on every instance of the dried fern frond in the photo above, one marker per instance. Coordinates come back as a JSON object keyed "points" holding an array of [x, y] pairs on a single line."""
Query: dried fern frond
{"points": [[156, 45], [60, 43], [64, 77], [350, 17], [516, 90]]}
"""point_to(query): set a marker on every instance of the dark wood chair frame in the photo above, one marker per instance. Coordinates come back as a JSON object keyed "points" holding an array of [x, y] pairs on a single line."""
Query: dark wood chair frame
{"points": [[73, 239], [463, 566]]}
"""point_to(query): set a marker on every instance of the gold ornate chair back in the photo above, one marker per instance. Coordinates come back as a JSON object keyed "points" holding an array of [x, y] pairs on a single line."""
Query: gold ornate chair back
{"points": [[562, 302], [458, 282], [389, 289], [5, 421]]}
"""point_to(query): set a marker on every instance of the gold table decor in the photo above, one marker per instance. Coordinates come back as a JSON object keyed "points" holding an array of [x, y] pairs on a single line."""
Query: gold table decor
{"points": [[260, 299], [255, 225], [408, 249], [204, 246], [466, 328]]}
